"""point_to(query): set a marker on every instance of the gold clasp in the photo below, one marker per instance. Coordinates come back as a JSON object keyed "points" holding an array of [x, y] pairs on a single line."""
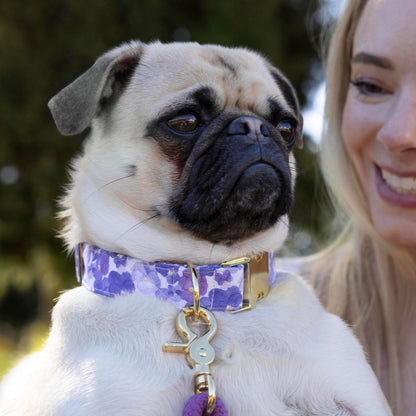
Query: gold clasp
{"points": [[198, 351]]}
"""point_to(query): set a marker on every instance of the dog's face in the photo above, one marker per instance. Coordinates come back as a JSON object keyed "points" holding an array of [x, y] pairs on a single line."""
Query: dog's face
{"points": [[189, 155]]}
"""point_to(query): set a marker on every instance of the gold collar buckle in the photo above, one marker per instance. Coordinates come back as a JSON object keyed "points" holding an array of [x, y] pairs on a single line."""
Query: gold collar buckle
{"points": [[256, 279]]}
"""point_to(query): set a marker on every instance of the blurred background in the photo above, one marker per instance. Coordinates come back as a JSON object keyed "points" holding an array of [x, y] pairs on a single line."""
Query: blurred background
{"points": [[44, 46]]}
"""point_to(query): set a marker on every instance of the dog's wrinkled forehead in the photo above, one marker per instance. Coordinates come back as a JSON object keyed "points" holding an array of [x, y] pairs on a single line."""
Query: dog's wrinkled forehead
{"points": [[229, 77], [139, 81]]}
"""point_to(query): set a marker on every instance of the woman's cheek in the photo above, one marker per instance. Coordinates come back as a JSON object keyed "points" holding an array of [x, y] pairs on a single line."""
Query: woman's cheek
{"points": [[357, 138], [353, 127]]}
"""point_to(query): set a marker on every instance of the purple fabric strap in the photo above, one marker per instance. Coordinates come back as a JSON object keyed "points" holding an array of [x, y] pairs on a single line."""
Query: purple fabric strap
{"points": [[111, 274], [197, 404]]}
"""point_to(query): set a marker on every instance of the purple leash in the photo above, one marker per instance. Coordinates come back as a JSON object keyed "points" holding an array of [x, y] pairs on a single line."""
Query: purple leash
{"points": [[197, 405]]}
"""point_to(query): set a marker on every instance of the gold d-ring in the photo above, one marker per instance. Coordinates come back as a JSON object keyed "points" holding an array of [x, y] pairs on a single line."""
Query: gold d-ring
{"points": [[195, 287]]}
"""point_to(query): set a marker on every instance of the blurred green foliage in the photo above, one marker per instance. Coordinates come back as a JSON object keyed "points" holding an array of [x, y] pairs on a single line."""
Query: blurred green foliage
{"points": [[45, 45]]}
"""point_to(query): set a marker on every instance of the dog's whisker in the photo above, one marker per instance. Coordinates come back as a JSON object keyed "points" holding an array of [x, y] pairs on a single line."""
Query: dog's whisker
{"points": [[211, 251], [115, 180], [108, 184], [135, 226], [155, 209]]}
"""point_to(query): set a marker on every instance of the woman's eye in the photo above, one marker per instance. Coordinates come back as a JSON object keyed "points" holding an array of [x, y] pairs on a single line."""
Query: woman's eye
{"points": [[367, 87], [287, 131], [185, 123]]}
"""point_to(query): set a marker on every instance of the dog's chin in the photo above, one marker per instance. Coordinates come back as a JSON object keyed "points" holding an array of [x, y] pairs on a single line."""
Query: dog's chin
{"points": [[255, 203]]}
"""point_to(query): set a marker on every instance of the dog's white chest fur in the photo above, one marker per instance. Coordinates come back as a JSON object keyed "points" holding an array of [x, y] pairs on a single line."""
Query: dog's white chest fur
{"points": [[106, 356]]}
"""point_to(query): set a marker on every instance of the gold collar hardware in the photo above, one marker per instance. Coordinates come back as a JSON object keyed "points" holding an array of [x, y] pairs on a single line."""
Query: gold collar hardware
{"points": [[256, 279], [197, 348], [198, 351]]}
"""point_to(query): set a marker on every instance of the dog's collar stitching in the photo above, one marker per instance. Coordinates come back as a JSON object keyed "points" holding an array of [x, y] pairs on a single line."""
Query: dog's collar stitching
{"points": [[111, 274]]}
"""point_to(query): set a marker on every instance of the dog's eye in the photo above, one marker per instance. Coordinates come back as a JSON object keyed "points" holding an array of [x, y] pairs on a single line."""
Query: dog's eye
{"points": [[185, 123], [288, 131]]}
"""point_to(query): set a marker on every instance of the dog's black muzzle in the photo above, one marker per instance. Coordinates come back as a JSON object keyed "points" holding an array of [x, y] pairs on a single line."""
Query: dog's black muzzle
{"points": [[236, 186]]}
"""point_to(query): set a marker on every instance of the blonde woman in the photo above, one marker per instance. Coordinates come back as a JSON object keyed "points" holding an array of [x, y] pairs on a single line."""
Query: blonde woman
{"points": [[368, 275]]}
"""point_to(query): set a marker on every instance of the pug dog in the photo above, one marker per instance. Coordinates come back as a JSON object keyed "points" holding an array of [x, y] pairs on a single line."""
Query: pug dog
{"points": [[187, 166]]}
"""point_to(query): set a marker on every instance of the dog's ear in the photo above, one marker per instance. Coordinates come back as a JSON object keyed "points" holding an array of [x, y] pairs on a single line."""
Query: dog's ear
{"points": [[74, 107], [291, 98]]}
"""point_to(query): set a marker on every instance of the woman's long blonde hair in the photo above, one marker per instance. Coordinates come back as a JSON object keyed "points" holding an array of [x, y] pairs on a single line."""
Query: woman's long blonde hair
{"points": [[360, 277]]}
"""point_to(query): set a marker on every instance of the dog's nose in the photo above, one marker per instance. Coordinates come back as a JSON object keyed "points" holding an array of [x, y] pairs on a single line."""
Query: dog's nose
{"points": [[248, 126]]}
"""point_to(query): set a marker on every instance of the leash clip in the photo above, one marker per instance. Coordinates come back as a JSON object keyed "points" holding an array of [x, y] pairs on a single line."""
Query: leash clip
{"points": [[198, 351]]}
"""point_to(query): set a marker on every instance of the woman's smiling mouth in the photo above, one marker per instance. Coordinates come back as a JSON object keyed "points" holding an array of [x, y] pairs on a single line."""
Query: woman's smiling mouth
{"points": [[401, 185], [394, 189]]}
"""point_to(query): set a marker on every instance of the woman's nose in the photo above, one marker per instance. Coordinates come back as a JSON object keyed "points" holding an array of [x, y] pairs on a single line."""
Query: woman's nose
{"points": [[398, 132]]}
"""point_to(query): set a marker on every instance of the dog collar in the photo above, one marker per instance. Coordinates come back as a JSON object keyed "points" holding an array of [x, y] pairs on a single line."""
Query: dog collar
{"points": [[235, 285]]}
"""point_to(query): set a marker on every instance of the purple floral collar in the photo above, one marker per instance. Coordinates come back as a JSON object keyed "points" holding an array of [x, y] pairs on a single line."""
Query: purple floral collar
{"points": [[111, 274]]}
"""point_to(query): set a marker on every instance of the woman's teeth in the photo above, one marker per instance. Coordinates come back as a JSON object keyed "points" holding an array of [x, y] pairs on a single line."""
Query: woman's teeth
{"points": [[400, 184]]}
